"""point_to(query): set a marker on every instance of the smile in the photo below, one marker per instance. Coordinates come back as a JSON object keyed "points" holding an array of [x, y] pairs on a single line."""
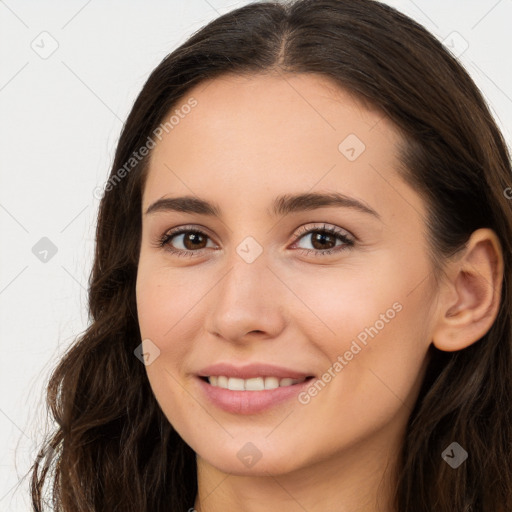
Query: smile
{"points": [[250, 396]]}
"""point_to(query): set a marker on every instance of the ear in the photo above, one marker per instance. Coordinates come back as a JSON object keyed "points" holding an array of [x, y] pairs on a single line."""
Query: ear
{"points": [[469, 297]]}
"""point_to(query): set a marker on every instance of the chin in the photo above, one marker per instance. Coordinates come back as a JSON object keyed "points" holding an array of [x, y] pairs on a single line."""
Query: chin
{"points": [[261, 468], [248, 460]]}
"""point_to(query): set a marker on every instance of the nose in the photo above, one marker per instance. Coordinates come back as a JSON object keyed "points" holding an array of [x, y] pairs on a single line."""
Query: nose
{"points": [[248, 302]]}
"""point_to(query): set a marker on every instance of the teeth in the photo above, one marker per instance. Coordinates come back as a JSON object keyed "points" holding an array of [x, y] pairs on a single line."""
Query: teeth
{"points": [[271, 382], [236, 384], [253, 384]]}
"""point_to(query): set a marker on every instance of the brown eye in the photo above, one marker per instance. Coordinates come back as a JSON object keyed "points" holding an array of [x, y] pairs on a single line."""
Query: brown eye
{"points": [[194, 240], [324, 240], [185, 242], [321, 240]]}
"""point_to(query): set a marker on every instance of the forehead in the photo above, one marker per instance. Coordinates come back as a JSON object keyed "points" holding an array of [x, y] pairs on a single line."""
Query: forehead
{"points": [[250, 135]]}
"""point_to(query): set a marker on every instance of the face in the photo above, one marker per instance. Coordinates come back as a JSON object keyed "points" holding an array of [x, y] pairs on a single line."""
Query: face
{"points": [[243, 286]]}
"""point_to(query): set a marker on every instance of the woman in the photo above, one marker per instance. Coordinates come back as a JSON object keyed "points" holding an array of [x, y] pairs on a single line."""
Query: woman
{"points": [[300, 296]]}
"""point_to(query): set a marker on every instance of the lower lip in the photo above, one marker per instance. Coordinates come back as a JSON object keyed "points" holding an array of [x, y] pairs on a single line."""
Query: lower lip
{"points": [[250, 402]]}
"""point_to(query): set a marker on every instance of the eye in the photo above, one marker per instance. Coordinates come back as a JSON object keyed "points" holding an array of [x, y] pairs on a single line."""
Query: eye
{"points": [[192, 240], [324, 240]]}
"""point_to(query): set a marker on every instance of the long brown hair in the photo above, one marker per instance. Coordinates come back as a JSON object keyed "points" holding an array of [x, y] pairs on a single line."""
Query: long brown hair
{"points": [[114, 449]]}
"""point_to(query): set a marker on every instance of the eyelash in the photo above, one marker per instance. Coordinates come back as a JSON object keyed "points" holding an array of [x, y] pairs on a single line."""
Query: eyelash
{"points": [[348, 243]]}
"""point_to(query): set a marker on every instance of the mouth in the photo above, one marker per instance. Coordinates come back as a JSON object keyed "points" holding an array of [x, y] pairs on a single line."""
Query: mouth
{"points": [[251, 388], [253, 395], [252, 384]]}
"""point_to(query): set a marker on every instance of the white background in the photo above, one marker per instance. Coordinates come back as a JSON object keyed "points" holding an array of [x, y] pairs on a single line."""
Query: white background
{"points": [[60, 118]]}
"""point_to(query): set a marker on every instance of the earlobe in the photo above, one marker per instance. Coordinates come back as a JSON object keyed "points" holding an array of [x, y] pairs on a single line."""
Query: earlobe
{"points": [[470, 295]]}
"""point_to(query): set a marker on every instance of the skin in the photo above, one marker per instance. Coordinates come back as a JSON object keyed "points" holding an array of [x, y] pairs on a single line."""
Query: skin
{"points": [[292, 308]]}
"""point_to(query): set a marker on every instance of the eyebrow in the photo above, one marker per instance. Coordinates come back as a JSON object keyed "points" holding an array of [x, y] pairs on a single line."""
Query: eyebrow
{"points": [[282, 205]]}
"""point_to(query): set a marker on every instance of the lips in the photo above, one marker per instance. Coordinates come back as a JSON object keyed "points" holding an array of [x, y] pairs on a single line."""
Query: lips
{"points": [[250, 389]]}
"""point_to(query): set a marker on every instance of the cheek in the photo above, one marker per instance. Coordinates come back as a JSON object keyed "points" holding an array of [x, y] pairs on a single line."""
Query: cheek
{"points": [[162, 306], [376, 367], [165, 300], [372, 323], [376, 290], [341, 302]]}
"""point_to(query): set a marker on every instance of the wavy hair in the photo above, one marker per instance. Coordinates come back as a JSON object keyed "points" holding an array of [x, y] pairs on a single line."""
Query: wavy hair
{"points": [[114, 448]]}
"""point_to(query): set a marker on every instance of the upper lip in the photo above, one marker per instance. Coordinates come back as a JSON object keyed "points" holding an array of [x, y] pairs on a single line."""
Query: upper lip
{"points": [[251, 370]]}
